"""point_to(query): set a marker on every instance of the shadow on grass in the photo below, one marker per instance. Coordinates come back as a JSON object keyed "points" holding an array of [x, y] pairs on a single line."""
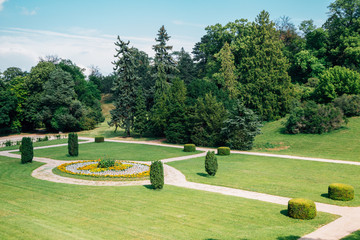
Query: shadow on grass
{"points": [[149, 187], [325, 195], [203, 174], [284, 212]]}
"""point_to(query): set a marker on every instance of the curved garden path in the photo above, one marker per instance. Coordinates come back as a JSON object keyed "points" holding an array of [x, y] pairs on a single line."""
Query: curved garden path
{"points": [[348, 222]]}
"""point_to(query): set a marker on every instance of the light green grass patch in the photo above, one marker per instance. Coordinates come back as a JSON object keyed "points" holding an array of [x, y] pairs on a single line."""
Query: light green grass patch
{"points": [[117, 151], [342, 144], [277, 176], [37, 209]]}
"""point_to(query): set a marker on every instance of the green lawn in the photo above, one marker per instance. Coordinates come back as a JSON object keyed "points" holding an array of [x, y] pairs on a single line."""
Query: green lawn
{"points": [[38, 144], [343, 144], [276, 176], [36, 209], [118, 151]]}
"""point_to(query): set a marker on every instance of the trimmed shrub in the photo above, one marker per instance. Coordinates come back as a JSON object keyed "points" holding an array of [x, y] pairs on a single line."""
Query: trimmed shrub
{"points": [[223, 151], [73, 145], [157, 175], [99, 139], [339, 191], [301, 208], [27, 150], [189, 148], [211, 165]]}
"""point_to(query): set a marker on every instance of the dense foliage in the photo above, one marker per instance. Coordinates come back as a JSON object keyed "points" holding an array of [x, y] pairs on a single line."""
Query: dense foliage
{"points": [[349, 104], [157, 174], [266, 67], [314, 118], [73, 145], [27, 150], [223, 151], [211, 165], [189, 147]]}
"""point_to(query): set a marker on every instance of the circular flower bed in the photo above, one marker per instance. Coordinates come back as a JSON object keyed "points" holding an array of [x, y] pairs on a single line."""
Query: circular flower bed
{"points": [[121, 169]]}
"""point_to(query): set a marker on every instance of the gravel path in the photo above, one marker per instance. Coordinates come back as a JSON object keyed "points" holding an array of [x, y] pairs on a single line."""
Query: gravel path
{"points": [[348, 222]]}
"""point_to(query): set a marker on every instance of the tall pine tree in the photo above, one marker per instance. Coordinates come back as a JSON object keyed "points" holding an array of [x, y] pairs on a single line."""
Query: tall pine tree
{"points": [[265, 83], [141, 115], [124, 88]]}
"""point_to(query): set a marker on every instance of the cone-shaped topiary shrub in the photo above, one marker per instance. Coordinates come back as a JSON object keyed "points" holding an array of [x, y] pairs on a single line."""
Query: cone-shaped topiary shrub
{"points": [[339, 191], [99, 139], [301, 208], [27, 150], [223, 151], [157, 175], [189, 148], [73, 145], [211, 165]]}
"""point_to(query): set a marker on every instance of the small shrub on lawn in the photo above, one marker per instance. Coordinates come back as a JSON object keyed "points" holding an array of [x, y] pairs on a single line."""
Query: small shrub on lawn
{"points": [[99, 139], [157, 175], [301, 208], [343, 192], [27, 150], [189, 148], [211, 165], [8, 143], [349, 104], [73, 145], [223, 151]]}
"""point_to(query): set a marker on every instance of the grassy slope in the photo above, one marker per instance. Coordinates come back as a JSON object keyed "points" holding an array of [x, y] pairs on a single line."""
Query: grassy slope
{"points": [[119, 151], [341, 144], [36, 209], [277, 176], [353, 236]]}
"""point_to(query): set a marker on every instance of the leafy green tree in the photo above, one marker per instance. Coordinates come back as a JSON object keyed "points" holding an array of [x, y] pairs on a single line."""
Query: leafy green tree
{"points": [[175, 131], [209, 116], [226, 78], [95, 77], [240, 128], [57, 97], [335, 82], [27, 150], [12, 72], [124, 87], [264, 81], [306, 66], [8, 105], [140, 115], [343, 27]]}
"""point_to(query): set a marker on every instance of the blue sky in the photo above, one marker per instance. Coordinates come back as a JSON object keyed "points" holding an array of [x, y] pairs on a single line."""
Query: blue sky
{"points": [[85, 31]]}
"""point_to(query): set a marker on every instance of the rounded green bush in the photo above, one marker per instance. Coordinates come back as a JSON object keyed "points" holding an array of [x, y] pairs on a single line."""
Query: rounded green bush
{"points": [[339, 191], [99, 139], [223, 151], [301, 208], [157, 175], [189, 148]]}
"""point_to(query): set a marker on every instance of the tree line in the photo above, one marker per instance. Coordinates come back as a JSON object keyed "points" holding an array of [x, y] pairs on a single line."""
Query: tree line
{"points": [[238, 75]]}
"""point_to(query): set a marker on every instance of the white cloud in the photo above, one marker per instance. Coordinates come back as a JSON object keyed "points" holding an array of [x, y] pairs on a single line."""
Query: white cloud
{"points": [[22, 48], [2, 4], [28, 12]]}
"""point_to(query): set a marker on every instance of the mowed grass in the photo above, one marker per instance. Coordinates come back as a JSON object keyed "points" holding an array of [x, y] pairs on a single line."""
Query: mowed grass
{"points": [[353, 236], [38, 144], [342, 144], [117, 151], [37, 209], [276, 176]]}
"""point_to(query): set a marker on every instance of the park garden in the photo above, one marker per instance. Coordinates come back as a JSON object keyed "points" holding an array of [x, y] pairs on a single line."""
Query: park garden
{"points": [[252, 136]]}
